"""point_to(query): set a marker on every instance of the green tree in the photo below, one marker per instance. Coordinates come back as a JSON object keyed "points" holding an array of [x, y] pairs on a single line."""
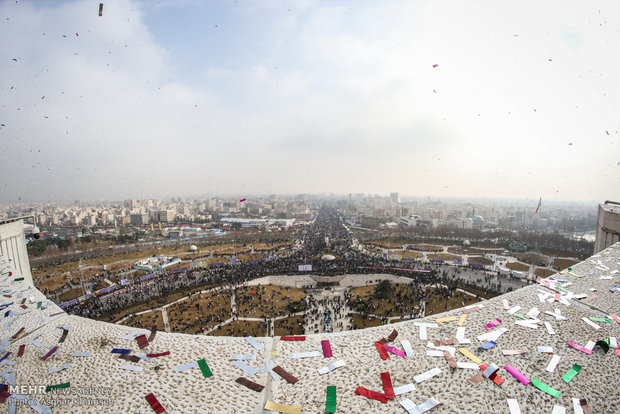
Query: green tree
{"points": [[384, 290]]}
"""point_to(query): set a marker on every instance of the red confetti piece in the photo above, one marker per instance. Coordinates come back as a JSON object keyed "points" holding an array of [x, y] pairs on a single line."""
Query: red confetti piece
{"points": [[388, 389], [371, 394], [54, 349], [14, 337], [250, 384], [154, 403], [161, 354], [292, 338], [4, 392], [142, 341], [382, 350], [288, 377]]}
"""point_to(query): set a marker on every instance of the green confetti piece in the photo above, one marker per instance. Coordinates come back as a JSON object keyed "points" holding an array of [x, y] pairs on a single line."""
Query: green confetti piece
{"points": [[518, 315], [562, 289], [571, 373], [330, 405], [204, 368], [605, 320], [53, 387], [544, 387], [39, 305], [603, 344], [19, 279]]}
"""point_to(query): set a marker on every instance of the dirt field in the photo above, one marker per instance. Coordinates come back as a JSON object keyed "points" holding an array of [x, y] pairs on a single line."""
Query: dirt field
{"points": [[411, 255], [253, 256], [436, 302], [473, 250], [241, 328], [289, 326], [152, 303], [442, 256], [519, 267], [480, 260], [405, 300], [537, 259], [481, 293], [71, 294], [427, 248], [360, 322], [200, 312], [50, 282], [232, 250], [267, 301], [561, 264], [132, 256], [542, 272], [146, 321], [404, 255]]}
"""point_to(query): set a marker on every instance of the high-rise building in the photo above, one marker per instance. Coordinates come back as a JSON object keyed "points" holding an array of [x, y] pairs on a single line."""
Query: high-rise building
{"points": [[165, 216], [395, 198], [139, 219], [607, 225]]}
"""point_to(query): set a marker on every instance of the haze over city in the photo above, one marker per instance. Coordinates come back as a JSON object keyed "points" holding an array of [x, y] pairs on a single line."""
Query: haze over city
{"points": [[182, 98]]}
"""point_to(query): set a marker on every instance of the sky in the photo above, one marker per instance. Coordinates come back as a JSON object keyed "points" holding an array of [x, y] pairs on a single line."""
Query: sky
{"points": [[517, 99]]}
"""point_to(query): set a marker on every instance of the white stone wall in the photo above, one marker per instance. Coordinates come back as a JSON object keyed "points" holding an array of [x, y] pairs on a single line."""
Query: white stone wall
{"points": [[190, 392]]}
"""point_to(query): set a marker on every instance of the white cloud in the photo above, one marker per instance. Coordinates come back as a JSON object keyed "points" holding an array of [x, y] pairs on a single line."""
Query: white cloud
{"points": [[336, 96]]}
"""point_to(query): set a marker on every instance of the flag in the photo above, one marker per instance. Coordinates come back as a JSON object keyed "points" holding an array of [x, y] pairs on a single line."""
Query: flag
{"points": [[539, 202]]}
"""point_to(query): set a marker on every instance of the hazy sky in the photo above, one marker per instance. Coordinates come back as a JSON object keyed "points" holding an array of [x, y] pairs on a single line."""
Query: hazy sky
{"points": [[440, 98]]}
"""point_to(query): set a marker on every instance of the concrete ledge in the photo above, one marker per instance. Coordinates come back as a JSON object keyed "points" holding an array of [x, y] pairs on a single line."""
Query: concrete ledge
{"points": [[189, 391]]}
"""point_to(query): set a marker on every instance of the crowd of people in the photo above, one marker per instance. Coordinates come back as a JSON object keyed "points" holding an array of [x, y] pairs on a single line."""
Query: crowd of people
{"points": [[327, 313], [327, 234]]}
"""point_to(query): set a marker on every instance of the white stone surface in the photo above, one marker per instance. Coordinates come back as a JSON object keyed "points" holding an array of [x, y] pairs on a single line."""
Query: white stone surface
{"points": [[190, 392]]}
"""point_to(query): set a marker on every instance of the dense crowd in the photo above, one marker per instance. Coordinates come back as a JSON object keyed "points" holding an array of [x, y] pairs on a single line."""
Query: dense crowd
{"points": [[327, 234]]}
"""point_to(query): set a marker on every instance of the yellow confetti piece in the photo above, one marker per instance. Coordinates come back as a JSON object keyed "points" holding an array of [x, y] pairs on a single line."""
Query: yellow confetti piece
{"points": [[283, 408], [462, 319], [574, 274], [274, 352], [470, 355], [446, 319]]}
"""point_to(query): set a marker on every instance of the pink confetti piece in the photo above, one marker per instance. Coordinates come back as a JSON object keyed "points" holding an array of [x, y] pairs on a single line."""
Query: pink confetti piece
{"points": [[580, 348], [395, 351], [492, 324], [327, 349]]}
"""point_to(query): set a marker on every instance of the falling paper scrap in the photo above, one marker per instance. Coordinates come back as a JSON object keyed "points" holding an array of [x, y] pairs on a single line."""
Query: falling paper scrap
{"points": [[435, 65], [242, 200], [100, 9]]}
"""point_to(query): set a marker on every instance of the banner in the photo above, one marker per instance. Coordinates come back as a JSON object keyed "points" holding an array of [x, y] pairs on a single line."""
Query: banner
{"points": [[146, 277]]}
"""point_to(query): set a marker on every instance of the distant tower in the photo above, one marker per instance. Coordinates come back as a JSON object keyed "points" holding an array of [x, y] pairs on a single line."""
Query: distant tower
{"points": [[473, 212], [395, 198]]}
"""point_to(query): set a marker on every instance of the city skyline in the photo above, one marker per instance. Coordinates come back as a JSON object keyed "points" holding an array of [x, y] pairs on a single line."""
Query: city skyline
{"points": [[445, 99]]}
